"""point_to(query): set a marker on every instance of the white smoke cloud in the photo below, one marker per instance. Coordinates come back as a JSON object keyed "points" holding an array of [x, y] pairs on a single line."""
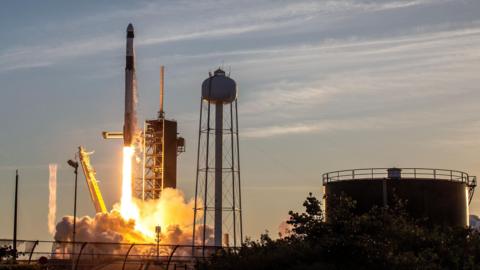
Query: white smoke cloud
{"points": [[171, 212], [103, 227], [52, 197]]}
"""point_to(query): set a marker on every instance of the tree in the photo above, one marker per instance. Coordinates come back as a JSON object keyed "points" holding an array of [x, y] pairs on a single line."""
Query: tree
{"points": [[384, 238], [6, 253]]}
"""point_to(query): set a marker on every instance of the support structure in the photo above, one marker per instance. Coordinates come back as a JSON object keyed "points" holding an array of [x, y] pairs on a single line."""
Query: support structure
{"points": [[92, 182], [161, 145], [217, 189]]}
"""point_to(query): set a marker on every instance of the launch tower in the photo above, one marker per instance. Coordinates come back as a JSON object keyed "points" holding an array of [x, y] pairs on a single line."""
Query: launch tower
{"points": [[160, 148]]}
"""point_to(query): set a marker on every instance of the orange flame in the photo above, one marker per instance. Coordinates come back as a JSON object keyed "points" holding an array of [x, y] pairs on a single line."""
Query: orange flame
{"points": [[168, 212]]}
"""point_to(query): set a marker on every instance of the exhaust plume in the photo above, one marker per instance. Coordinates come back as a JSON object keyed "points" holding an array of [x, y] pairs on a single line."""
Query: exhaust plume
{"points": [[52, 197], [171, 212]]}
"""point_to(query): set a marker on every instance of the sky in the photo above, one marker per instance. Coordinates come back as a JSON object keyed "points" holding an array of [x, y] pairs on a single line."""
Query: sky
{"points": [[322, 86]]}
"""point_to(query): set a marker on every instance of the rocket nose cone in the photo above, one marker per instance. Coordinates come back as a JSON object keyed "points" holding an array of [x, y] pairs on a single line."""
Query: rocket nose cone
{"points": [[130, 31]]}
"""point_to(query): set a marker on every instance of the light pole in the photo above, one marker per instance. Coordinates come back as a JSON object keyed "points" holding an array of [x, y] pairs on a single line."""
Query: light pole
{"points": [[74, 165], [15, 220]]}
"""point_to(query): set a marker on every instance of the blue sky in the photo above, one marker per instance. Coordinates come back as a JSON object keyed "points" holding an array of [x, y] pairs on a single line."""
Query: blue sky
{"points": [[323, 85]]}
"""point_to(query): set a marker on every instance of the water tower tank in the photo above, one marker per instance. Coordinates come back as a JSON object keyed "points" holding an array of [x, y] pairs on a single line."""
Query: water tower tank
{"points": [[441, 196], [219, 88]]}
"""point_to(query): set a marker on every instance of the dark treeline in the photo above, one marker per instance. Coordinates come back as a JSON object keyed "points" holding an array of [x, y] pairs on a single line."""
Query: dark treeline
{"points": [[383, 238]]}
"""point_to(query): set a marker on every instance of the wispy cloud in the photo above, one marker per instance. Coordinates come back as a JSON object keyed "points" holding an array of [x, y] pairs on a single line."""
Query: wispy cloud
{"points": [[458, 124], [269, 131], [462, 134], [221, 23], [287, 96], [40, 56], [218, 32], [375, 73], [320, 126]]}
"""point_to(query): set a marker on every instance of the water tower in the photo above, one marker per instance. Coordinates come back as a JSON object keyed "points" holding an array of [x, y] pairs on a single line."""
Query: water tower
{"points": [[217, 190]]}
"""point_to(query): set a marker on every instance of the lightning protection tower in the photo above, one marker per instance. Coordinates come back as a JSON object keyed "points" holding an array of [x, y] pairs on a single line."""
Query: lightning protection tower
{"points": [[218, 202], [161, 145]]}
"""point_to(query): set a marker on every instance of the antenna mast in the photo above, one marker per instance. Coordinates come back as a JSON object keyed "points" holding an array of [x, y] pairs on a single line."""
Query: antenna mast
{"points": [[162, 82]]}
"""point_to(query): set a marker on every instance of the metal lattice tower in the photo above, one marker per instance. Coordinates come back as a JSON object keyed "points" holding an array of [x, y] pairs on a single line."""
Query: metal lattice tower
{"points": [[161, 145], [154, 165], [217, 190]]}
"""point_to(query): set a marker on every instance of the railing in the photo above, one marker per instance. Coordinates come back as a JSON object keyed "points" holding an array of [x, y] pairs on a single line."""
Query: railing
{"points": [[87, 255], [403, 173]]}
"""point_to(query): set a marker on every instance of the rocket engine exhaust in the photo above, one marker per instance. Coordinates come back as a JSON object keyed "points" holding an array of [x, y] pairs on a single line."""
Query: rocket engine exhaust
{"points": [[127, 207]]}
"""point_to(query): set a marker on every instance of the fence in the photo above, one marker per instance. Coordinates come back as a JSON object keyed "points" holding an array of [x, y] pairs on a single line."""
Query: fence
{"points": [[103, 255]]}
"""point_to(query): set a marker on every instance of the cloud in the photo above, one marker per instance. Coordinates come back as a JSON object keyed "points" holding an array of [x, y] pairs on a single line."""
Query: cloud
{"points": [[287, 95], [269, 131], [358, 78], [47, 55], [413, 120], [215, 33], [321, 126], [461, 134], [219, 23]]}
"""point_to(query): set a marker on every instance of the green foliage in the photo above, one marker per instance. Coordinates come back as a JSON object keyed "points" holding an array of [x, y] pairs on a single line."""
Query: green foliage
{"points": [[383, 238], [6, 253]]}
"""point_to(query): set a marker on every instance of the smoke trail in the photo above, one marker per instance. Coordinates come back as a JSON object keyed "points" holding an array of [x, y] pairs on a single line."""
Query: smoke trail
{"points": [[52, 198]]}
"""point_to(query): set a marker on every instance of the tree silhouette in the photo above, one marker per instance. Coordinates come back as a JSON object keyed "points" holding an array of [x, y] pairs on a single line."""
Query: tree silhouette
{"points": [[384, 238]]}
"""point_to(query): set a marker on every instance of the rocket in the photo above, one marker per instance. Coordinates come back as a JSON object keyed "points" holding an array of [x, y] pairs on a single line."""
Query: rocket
{"points": [[130, 117], [130, 120]]}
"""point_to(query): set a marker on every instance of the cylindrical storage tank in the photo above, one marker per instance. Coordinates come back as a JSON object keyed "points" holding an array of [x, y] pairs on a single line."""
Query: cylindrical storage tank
{"points": [[441, 196], [219, 88]]}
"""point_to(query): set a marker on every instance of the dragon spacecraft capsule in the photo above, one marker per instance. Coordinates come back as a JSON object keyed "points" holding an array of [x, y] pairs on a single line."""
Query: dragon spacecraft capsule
{"points": [[130, 121]]}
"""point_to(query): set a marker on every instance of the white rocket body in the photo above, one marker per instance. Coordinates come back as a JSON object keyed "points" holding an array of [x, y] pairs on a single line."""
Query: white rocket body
{"points": [[130, 121]]}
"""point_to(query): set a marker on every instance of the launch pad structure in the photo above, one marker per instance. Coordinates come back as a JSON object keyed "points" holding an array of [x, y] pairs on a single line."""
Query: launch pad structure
{"points": [[161, 145]]}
